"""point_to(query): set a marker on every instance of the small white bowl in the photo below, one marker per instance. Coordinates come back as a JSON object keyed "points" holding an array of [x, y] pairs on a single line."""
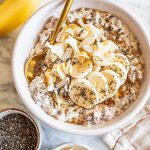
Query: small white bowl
{"points": [[7, 111], [27, 38], [72, 145]]}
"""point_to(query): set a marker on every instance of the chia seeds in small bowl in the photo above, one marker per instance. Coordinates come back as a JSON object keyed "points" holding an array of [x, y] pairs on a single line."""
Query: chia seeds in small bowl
{"points": [[18, 131]]}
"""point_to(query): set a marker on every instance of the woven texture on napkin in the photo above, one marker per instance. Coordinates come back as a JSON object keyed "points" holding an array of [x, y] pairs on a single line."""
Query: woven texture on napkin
{"points": [[134, 136]]}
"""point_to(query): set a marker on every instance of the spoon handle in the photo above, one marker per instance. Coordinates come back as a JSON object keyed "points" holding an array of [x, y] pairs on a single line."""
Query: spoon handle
{"points": [[61, 20]]}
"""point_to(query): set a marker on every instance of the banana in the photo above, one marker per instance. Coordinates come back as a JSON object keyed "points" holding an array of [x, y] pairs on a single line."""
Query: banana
{"points": [[14, 13], [119, 69], [113, 82], [104, 47], [100, 83], [79, 70], [104, 53], [58, 70], [83, 93], [99, 61], [123, 60]]}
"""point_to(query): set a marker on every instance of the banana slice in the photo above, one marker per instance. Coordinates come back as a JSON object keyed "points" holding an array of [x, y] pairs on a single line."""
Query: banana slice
{"points": [[58, 70], [79, 70], [113, 82], [83, 93], [123, 60], [119, 69], [99, 61], [105, 47], [100, 83]]}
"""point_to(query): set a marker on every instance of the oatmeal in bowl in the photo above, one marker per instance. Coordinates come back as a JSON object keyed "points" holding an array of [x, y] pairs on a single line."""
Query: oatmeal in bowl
{"points": [[92, 73], [94, 78]]}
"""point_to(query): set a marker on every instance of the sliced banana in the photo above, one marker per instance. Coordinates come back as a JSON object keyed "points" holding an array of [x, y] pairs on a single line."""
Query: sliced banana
{"points": [[58, 70], [104, 47], [79, 70], [119, 69], [123, 60], [113, 82], [83, 93], [100, 83], [99, 61]]}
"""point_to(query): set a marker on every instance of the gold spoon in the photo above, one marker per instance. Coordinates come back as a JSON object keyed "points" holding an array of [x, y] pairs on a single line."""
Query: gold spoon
{"points": [[32, 61]]}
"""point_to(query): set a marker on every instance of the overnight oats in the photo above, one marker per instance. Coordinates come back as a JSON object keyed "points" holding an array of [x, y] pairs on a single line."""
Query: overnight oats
{"points": [[92, 73]]}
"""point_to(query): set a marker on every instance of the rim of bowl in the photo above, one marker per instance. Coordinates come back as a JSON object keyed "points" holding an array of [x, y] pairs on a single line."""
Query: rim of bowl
{"points": [[66, 145], [22, 112], [97, 131]]}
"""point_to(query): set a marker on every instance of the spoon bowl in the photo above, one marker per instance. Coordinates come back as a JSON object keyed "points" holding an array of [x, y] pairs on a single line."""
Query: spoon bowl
{"points": [[30, 65]]}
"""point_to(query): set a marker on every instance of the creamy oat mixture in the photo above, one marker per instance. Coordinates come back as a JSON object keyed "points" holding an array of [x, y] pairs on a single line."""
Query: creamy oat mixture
{"points": [[92, 73]]}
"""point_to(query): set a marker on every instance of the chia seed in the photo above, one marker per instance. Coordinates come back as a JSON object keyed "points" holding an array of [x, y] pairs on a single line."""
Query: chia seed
{"points": [[17, 132]]}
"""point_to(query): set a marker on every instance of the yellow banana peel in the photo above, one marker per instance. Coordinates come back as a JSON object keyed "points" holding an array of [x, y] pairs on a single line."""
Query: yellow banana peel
{"points": [[15, 12]]}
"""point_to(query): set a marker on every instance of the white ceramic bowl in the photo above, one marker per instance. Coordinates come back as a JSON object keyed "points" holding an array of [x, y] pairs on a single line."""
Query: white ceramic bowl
{"points": [[28, 37], [72, 145]]}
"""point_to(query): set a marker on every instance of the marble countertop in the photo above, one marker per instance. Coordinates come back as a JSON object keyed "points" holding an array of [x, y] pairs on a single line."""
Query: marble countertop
{"points": [[9, 96]]}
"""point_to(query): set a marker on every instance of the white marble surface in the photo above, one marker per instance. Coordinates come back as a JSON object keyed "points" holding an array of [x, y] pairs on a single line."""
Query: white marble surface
{"points": [[9, 96]]}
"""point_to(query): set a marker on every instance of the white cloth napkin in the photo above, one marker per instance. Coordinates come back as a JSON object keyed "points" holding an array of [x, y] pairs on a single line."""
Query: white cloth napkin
{"points": [[135, 135]]}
